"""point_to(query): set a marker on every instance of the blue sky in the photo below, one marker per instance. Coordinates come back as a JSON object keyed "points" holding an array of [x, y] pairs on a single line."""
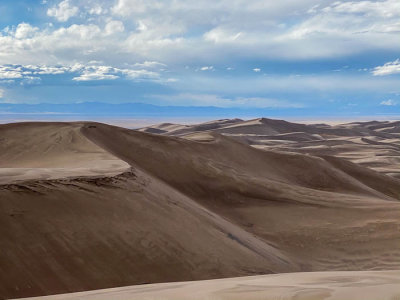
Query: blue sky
{"points": [[322, 55]]}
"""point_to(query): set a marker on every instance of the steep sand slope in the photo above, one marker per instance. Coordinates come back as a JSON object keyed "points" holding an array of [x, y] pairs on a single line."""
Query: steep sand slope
{"points": [[319, 214], [188, 210], [300, 286], [93, 232], [88, 233], [191, 166]]}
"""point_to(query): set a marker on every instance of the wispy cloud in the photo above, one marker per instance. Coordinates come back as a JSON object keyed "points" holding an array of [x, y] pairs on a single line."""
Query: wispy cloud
{"points": [[219, 101], [207, 68], [389, 68], [389, 102]]}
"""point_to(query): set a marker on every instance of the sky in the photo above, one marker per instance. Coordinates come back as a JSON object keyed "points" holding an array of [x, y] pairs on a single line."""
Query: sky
{"points": [[289, 54]]}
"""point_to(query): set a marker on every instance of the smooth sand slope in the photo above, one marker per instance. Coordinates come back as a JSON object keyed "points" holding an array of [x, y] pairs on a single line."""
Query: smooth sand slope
{"points": [[162, 208], [49, 151], [365, 285]]}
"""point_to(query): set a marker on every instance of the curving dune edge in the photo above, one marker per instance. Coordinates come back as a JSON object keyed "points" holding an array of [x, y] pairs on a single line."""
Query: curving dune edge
{"points": [[362, 285]]}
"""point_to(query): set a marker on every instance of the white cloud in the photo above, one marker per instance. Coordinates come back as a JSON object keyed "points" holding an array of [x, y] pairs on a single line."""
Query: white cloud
{"points": [[221, 35], [209, 33], [30, 80], [207, 68], [24, 31], [114, 27], [257, 70], [97, 10], [140, 74], [389, 102], [386, 9], [63, 11], [10, 72], [149, 64], [31, 74], [1, 93], [344, 28], [92, 76], [91, 73], [389, 68]]}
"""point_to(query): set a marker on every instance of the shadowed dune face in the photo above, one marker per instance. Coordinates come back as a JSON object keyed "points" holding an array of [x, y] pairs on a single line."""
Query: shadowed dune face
{"points": [[199, 207], [88, 233], [192, 167]]}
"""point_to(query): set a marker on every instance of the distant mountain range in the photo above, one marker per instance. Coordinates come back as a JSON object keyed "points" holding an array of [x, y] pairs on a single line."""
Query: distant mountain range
{"points": [[149, 110]]}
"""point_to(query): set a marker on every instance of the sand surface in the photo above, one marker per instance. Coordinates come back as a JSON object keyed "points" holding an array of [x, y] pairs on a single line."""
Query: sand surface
{"points": [[367, 285], [372, 144], [88, 206], [51, 151]]}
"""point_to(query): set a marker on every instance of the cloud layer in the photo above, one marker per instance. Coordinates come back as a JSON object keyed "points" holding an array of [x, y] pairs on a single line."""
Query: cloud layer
{"points": [[264, 51], [90, 72], [180, 31]]}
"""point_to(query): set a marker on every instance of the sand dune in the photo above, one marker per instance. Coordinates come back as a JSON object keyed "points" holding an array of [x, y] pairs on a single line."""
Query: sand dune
{"points": [[381, 285], [177, 129], [88, 205], [372, 144], [50, 151]]}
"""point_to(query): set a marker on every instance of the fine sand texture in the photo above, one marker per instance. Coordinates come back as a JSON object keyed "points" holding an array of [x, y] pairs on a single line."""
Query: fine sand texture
{"points": [[365, 285], [88, 206], [372, 144]]}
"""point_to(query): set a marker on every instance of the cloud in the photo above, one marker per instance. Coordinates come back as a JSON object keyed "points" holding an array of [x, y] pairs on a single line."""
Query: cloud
{"points": [[180, 32], [96, 73], [153, 40], [140, 74], [389, 102], [385, 9], [97, 10], [114, 27], [31, 74], [275, 84], [345, 28], [24, 31], [1, 93], [219, 101], [30, 80], [222, 35], [63, 11], [207, 68], [150, 64], [389, 68], [10, 72]]}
